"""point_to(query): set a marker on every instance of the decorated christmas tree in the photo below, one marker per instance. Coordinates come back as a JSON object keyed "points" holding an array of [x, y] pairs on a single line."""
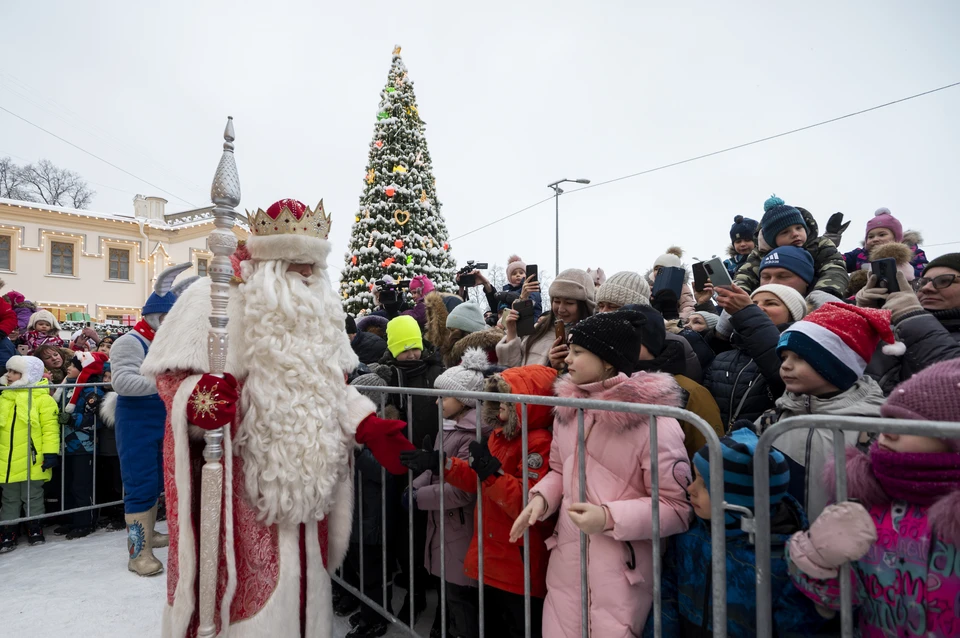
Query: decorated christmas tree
{"points": [[398, 230]]}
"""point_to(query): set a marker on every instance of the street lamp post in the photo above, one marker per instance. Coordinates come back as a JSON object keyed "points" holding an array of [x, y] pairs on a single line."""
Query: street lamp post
{"points": [[557, 191]]}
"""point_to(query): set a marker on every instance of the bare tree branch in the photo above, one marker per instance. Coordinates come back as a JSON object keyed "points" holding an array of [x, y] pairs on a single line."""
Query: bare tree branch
{"points": [[12, 185], [56, 186]]}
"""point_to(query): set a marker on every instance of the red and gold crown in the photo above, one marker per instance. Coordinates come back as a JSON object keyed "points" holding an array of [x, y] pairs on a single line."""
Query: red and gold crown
{"points": [[290, 217], [290, 231]]}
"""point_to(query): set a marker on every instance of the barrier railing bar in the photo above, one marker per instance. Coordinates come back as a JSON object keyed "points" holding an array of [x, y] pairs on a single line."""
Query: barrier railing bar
{"points": [[582, 498], [358, 476], [481, 624], [443, 516], [30, 449], [383, 516], [411, 529], [375, 606], [525, 454], [846, 600], [27, 519], [655, 510], [761, 481]]}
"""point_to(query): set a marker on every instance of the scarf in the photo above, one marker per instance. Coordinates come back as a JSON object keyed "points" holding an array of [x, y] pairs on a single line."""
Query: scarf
{"points": [[917, 478], [950, 318], [144, 329]]}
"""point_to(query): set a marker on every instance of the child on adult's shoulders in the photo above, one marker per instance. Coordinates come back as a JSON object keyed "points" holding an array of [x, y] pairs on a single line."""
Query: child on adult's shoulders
{"points": [[42, 330]]}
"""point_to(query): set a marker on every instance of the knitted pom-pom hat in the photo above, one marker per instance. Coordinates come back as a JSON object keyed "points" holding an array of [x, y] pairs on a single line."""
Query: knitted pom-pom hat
{"points": [[624, 288], [777, 216], [669, 259], [743, 228], [932, 394], [883, 218], [515, 263], [466, 377], [838, 340]]}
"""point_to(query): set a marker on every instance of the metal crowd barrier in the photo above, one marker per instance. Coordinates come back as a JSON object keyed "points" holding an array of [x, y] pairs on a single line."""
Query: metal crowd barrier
{"points": [[62, 402], [717, 528], [761, 481]]}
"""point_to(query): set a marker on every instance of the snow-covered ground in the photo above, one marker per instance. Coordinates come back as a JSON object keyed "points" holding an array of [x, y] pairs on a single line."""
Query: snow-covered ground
{"points": [[82, 588]]}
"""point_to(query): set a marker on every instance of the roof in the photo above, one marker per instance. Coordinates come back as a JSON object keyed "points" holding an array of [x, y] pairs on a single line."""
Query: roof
{"points": [[172, 221]]}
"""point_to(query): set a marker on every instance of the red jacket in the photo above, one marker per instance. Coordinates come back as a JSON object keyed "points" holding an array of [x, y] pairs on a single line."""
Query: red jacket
{"points": [[8, 318], [502, 494]]}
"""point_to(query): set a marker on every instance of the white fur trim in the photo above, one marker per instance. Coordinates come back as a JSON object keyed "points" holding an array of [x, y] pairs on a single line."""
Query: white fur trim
{"points": [[296, 248], [17, 363], [340, 520], [319, 615], [280, 616], [176, 618], [895, 349], [108, 409], [356, 408], [181, 342]]}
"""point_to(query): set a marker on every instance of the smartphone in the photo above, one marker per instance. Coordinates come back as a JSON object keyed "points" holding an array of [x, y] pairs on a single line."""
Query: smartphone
{"points": [[719, 276], [886, 272], [670, 278], [700, 276], [525, 324], [560, 330], [533, 272]]}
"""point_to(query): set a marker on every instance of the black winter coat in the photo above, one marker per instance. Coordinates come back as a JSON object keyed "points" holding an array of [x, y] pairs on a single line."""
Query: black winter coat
{"points": [[930, 337], [413, 374], [745, 381], [368, 508]]}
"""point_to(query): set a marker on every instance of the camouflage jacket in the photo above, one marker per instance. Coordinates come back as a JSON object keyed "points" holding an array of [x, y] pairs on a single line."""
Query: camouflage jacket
{"points": [[830, 269]]}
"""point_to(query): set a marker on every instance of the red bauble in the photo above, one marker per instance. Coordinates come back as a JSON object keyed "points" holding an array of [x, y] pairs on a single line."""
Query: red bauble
{"points": [[297, 208], [387, 262], [446, 246], [390, 191], [353, 260], [398, 243]]}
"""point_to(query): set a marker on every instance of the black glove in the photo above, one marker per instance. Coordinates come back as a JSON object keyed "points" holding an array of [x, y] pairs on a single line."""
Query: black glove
{"points": [[667, 304], [419, 461], [482, 462], [50, 461], [835, 228]]}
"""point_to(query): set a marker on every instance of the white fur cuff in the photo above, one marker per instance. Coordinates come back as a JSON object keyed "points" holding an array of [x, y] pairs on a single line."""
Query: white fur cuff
{"points": [[296, 248]]}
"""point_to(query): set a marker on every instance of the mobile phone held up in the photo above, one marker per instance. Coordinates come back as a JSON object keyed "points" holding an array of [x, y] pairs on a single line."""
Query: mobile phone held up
{"points": [[525, 323], [719, 276], [700, 276], [886, 272], [670, 278], [533, 272], [560, 330]]}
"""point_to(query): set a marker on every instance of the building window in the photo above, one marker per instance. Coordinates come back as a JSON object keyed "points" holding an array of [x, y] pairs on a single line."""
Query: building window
{"points": [[61, 258], [202, 267], [116, 318], [120, 264], [5, 244]]}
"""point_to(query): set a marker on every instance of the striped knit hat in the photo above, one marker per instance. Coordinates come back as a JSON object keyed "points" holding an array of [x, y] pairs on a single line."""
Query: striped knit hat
{"points": [[738, 450], [838, 340], [778, 216]]}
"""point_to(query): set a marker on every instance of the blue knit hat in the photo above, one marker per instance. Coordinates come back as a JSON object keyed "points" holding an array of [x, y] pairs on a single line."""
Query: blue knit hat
{"points": [[738, 450], [776, 217], [743, 228], [157, 304], [796, 260]]}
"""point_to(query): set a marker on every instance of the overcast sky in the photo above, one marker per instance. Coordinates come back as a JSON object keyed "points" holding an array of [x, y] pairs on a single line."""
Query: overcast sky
{"points": [[515, 95]]}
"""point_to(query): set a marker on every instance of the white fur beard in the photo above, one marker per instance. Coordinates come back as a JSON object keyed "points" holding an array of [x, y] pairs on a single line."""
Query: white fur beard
{"points": [[294, 353]]}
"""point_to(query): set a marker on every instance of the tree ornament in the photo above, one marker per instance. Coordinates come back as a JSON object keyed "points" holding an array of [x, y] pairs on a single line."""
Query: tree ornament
{"points": [[390, 191], [419, 160], [412, 110], [423, 196], [382, 115], [371, 174], [370, 243], [388, 262], [366, 214], [378, 143], [446, 246], [399, 169], [396, 50], [353, 260], [357, 218], [409, 259], [398, 243], [390, 89], [401, 217]]}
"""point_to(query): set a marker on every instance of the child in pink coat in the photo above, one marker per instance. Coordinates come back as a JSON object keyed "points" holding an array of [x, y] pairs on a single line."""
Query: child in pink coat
{"points": [[617, 513], [903, 537]]}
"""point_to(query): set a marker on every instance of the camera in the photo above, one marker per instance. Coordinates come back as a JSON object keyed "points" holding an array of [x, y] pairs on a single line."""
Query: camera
{"points": [[506, 298], [465, 279], [391, 291]]}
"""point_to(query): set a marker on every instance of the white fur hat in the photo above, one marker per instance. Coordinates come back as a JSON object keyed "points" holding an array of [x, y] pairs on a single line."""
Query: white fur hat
{"points": [[43, 315], [30, 367]]}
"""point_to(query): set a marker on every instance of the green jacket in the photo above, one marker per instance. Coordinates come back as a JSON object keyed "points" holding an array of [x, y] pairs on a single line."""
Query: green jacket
{"points": [[44, 432], [829, 268]]}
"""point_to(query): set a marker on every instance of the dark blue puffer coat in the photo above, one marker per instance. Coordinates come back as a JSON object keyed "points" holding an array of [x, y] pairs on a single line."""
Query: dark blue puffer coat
{"points": [[745, 381]]}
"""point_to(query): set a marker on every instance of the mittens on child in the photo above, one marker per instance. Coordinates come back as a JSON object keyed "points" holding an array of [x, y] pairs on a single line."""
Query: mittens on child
{"points": [[843, 532]]}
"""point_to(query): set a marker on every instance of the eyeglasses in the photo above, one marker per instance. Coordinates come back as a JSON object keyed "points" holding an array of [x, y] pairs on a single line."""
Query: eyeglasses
{"points": [[939, 282]]}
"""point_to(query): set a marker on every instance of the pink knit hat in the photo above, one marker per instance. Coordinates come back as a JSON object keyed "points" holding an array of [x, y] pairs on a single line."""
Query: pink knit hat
{"points": [[422, 281], [930, 395], [883, 218]]}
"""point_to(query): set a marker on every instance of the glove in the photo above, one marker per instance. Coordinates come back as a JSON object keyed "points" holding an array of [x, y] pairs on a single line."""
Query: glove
{"points": [[409, 498], [842, 533], [213, 402], [384, 438], [870, 296], [420, 461], [50, 461], [482, 462], [835, 228], [904, 302], [666, 303]]}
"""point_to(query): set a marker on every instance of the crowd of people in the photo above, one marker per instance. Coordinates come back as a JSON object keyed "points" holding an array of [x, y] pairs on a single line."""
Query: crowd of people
{"points": [[798, 328], [54, 436]]}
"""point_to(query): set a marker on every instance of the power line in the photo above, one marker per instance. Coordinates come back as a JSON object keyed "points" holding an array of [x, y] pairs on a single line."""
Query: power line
{"points": [[108, 163], [718, 152]]}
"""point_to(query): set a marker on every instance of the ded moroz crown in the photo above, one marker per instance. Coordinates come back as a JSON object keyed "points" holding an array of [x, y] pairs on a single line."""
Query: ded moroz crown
{"points": [[290, 231]]}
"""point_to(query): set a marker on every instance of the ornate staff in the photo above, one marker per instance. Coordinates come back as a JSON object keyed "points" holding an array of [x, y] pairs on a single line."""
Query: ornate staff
{"points": [[225, 195]]}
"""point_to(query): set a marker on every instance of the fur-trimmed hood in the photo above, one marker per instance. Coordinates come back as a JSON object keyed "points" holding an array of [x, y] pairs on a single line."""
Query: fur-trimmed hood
{"points": [[108, 409], [529, 380], [648, 388], [435, 330], [902, 253], [863, 486], [486, 340]]}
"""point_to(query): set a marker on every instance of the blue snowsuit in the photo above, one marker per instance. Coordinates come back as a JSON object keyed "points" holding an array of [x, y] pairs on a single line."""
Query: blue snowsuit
{"points": [[140, 421]]}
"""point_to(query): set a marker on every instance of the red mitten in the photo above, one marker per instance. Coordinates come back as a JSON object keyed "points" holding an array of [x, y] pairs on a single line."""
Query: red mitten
{"points": [[385, 440], [213, 403]]}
